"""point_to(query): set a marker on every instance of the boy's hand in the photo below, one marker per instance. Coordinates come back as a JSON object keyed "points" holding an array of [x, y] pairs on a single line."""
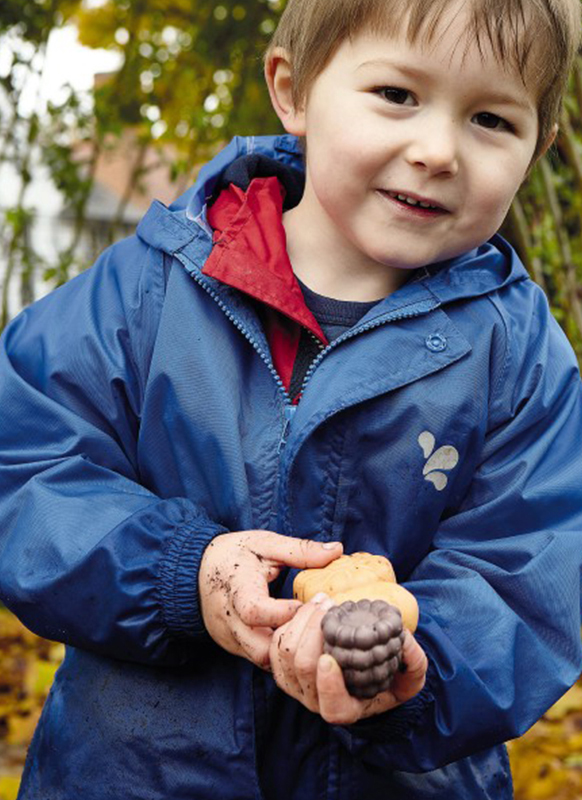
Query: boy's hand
{"points": [[233, 585], [316, 680]]}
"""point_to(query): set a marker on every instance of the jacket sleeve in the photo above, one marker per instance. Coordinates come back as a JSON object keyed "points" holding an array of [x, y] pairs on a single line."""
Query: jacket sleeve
{"points": [[88, 555], [499, 593]]}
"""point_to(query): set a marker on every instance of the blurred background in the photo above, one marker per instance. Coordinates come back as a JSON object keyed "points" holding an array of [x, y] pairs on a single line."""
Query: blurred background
{"points": [[106, 105]]}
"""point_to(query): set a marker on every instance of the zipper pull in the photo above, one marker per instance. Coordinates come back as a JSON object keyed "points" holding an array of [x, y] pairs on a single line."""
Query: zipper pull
{"points": [[289, 414]]}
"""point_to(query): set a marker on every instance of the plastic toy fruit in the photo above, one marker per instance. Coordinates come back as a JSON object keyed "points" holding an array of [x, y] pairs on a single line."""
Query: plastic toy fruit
{"points": [[357, 577], [364, 632], [365, 638], [346, 572]]}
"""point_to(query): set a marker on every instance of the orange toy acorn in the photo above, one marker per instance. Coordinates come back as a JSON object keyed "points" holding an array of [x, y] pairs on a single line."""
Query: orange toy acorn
{"points": [[364, 631], [357, 577]]}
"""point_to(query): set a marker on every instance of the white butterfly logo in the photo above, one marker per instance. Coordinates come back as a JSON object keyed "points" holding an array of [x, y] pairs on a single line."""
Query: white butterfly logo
{"points": [[446, 458]]}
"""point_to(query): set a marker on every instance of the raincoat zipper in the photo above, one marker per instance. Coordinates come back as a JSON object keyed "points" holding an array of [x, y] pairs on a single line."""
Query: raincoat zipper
{"points": [[288, 408], [264, 356]]}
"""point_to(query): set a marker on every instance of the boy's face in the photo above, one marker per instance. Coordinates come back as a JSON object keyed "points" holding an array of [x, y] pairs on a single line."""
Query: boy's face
{"points": [[388, 118]]}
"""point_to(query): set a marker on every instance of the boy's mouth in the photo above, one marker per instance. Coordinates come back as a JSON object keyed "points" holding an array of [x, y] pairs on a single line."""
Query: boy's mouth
{"points": [[411, 201]]}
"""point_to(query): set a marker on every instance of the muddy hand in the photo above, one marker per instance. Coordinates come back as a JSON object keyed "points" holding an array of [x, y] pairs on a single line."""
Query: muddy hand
{"points": [[295, 651], [233, 584], [338, 707], [316, 680]]}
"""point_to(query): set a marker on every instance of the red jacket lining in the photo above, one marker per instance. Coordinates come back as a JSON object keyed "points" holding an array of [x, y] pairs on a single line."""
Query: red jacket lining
{"points": [[250, 254]]}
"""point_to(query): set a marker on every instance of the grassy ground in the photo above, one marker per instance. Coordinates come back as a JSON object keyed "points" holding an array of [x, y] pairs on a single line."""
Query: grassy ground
{"points": [[546, 762]]}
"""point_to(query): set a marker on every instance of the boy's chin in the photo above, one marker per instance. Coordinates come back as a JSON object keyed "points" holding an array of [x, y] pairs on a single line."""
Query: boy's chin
{"points": [[395, 263], [409, 262]]}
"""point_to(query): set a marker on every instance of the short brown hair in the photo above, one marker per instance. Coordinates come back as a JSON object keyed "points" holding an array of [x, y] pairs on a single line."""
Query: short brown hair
{"points": [[538, 37]]}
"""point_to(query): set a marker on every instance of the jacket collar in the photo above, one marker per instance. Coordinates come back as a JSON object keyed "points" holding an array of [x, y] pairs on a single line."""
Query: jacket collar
{"points": [[486, 269], [194, 201], [250, 252]]}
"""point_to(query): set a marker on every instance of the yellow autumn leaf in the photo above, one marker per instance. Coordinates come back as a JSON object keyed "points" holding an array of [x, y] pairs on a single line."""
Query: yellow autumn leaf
{"points": [[9, 787], [20, 729], [571, 701], [40, 677]]}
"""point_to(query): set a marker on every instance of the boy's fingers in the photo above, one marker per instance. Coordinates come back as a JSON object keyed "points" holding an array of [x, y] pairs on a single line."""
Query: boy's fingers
{"points": [[409, 683], [255, 645], [300, 553], [295, 649], [255, 607], [284, 649], [336, 706], [263, 611], [308, 652]]}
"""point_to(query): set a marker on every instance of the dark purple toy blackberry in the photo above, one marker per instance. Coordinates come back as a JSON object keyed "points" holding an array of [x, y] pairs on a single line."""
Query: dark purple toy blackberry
{"points": [[365, 638]]}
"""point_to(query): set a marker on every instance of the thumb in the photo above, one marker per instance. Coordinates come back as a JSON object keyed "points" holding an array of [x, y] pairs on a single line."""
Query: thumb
{"points": [[409, 683], [300, 553], [336, 706]]}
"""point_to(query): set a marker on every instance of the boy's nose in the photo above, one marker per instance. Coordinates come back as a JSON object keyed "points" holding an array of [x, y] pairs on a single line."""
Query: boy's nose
{"points": [[435, 149]]}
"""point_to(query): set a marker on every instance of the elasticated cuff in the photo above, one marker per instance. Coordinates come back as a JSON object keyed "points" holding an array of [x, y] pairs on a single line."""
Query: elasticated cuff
{"points": [[178, 577]]}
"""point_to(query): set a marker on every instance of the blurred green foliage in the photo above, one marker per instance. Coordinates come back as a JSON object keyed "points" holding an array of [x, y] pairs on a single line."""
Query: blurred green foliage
{"points": [[199, 63], [545, 222], [190, 77]]}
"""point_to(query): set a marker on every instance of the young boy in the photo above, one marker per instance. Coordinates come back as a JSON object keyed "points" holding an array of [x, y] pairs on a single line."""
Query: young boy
{"points": [[281, 362]]}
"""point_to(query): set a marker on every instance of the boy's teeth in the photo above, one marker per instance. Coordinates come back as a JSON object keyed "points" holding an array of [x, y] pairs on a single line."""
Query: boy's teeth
{"points": [[404, 199]]}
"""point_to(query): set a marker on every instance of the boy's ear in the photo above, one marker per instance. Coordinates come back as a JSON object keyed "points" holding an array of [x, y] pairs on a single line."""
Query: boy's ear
{"points": [[550, 140], [279, 77], [544, 149]]}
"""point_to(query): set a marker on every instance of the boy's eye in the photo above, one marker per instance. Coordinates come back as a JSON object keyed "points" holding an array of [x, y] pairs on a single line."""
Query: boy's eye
{"points": [[493, 122], [393, 94]]}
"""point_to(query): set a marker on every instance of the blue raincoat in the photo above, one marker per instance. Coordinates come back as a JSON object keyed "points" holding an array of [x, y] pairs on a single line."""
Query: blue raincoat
{"points": [[141, 416]]}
